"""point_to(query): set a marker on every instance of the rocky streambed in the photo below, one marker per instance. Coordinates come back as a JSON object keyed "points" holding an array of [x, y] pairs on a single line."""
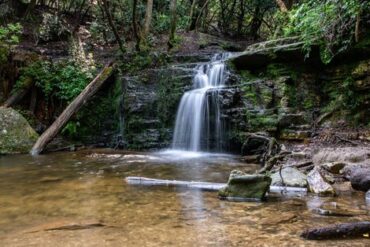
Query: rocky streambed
{"points": [[63, 199]]}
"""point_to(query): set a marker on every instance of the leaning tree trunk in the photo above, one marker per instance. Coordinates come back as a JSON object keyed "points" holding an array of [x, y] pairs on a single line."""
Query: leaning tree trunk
{"points": [[113, 26], [72, 108]]}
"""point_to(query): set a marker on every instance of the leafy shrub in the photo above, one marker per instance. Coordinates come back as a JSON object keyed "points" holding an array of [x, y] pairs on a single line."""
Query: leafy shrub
{"points": [[9, 34], [52, 28], [329, 24], [63, 80]]}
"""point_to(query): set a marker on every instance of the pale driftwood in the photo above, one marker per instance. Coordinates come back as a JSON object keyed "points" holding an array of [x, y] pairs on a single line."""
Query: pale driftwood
{"points": [[17, 96], [176, 183], [207, 186], [345, 230], [72, 108]]}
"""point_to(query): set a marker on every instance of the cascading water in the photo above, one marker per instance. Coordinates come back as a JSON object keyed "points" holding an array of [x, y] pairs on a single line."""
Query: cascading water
{"points": [[198, 120]]}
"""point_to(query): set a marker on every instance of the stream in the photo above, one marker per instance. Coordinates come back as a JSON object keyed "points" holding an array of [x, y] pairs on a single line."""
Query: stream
{"points": [[41, 197]]}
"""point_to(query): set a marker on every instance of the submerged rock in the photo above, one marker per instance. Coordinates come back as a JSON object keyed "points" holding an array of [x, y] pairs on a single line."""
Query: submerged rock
{"points": [[334, 167], [291, 177], [246, 186], [317, 184], [16, 135], [360, 179]]}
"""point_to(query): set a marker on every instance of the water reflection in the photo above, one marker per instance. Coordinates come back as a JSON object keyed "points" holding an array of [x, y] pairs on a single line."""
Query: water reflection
{"points": [[51, 190]]}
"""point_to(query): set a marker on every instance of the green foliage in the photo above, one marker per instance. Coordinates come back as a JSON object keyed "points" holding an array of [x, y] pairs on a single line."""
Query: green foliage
{"points": [[71, 129], [63, 80], [52, 28], [9, 34], [329, 24]]}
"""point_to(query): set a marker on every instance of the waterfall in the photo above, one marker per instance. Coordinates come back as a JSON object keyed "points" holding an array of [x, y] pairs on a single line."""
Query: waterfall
{"points": [[198, 120]]}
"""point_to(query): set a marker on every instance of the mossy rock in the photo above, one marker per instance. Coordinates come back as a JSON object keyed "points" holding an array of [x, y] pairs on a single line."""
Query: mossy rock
{"points": [[246, 186], [16, 135]]}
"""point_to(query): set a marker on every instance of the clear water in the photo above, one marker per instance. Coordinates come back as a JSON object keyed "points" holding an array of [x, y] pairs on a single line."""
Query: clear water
{"points": [[39, 193], [198, 116]]}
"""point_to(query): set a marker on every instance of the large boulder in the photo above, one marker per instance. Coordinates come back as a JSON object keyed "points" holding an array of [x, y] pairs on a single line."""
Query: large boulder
{"points": [[291, 177], [246, 186], [317, 183], [360, 179], [16, 135], [345, 154]]}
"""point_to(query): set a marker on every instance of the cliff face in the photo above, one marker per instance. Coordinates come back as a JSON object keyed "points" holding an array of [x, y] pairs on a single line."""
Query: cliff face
{"points": [[277, 92]]}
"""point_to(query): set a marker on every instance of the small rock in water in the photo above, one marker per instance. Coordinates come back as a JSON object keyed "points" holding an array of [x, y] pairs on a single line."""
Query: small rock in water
{"points": [[50, 179], [246, 186], [360, 179], [291, 177], [334, 167], [317, 183]]}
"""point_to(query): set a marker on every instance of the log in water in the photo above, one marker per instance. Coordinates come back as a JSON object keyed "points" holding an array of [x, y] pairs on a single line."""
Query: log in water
{"points": [[345, 230], [206, 186]]}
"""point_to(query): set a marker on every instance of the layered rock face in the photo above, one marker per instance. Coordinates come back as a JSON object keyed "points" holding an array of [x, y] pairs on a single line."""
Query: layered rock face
{"points": [[281, 95]]}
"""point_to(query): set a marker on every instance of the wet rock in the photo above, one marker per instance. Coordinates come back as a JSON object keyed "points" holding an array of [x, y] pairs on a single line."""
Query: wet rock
{"points": [[246, 186], [367, 196], [317, 184], [342, 187], [290, 120], [250, 158], [337, 212], [360, 179], [291, 177], [16, 135], [258, 145], [334, 167], [346, 154], [294, 135], [277, 219]]}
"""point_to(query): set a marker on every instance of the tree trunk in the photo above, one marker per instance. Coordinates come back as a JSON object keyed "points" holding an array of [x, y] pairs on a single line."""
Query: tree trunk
{"points": [[148, 18], [282, 6], [30, 8], [344, 230], [72, 108], [113, 26], [171, 40], [256, 23], [241, 17], [191, 16], [134, 26], [357, 27], [200, 13]]}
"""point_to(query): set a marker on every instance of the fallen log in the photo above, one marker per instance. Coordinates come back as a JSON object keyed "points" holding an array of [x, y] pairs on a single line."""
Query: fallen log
{"points": [[175, 183], [19, 94], [345, 230], [72, 108], [206, 186]]}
